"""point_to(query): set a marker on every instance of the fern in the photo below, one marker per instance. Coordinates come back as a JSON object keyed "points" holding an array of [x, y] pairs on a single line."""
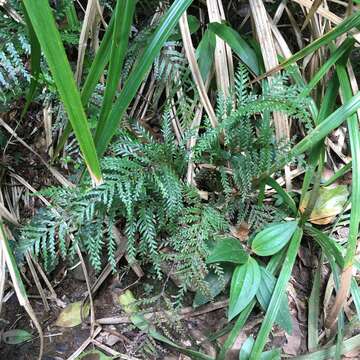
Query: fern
{"points": [[245, 139], [164, 220]]}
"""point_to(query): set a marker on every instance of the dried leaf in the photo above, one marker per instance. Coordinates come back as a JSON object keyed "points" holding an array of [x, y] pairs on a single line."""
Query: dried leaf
{"points": [[71, 315], [330, 202], [240, 231]]}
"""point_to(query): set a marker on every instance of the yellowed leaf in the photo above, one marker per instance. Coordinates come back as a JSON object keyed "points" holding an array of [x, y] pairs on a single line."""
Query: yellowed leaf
{"points": [[330, 202], [71, 315]]}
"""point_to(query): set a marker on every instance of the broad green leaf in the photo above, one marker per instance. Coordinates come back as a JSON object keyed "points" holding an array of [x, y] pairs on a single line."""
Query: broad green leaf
{"points": [[330, 202], [245, 350], [93, 355], [124, 12], [205, 53], [272, 265], [71, 316], [273, 238], [216, 286], [43, 22], [266, 288], [16, 336], [244, 285], [169, 20], [228, 249], [242, 49], [276, 298], [267, 355]]}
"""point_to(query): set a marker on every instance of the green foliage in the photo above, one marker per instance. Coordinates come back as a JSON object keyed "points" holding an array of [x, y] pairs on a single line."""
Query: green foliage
{"points": [[243, 146], [143, 193], [14, 76], [141, 175]]}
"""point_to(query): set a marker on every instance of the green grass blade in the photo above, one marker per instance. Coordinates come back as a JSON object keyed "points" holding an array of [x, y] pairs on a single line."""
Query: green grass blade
{"points": [[242, 49], [355, 293], [341, 172], [96, 69], [327, 106], [276, 297], [327, 126], [34, 63], [330, 247], [124, 13], [48, 35], [329, 353], [314, 310], [349, 23], [285, 196], [354, 137], [344, 48], [71, 15], [98, 65], [170, 19]]}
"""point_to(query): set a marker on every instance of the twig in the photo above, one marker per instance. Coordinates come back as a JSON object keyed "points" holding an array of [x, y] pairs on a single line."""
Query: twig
{"points": [[84, 345], [37, 281], [86, 275]]}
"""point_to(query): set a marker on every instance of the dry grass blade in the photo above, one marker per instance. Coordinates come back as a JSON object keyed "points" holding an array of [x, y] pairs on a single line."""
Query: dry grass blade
{"points": [[85, 30], [314, 7], [326, 14], [190, 54], [349, 87], [37, 281], [18, 284], [263, 31], [87, 280], [6, 214], [223, 58], [62, 180]]}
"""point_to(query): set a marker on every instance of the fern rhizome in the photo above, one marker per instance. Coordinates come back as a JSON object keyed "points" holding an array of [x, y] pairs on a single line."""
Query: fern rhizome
{"points": [[146, 196]]}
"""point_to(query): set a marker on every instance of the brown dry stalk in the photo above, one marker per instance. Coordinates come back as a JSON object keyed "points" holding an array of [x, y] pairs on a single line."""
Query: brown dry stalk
{"points": [[263, 31], [341, 296], [223, 58], [85, 30], [195, 71]]}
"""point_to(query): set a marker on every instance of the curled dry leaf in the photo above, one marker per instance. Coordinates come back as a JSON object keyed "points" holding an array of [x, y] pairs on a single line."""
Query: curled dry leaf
{"points": [[330, 202], [240, 231]]}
